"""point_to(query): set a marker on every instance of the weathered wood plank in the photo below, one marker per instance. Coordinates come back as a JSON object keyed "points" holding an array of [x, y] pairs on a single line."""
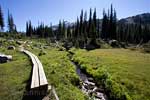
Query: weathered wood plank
{"points": [[38, 75], [35, 74], [42, 76]]}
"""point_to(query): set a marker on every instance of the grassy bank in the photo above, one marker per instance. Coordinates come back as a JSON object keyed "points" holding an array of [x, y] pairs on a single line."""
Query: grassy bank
{"points": [[14, 75], [124, 73], [59, 71]]}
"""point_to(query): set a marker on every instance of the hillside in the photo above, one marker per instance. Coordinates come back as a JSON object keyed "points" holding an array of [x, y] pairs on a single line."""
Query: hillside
{"points": [[144, 18]]}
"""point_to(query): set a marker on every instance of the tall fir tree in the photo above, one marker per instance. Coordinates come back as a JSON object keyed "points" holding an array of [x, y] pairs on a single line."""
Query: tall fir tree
{"points": [[104, 31], [90, 24], [81, 25], [85, 27], [114, 25], [111, 23], [1, 19], [94, 35], [76, 35], [64, 30], [11, 25]]}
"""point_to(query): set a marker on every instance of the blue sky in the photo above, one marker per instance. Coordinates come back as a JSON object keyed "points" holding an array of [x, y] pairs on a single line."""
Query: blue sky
{"points": [[48, 11]]}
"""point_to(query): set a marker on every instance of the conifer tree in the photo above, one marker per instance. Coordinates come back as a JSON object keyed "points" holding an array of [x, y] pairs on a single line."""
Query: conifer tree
{"points": [[1, 19], [90, 24], [104, 31], [30, 29], [94, 35], [85, 27], [81, 24], [11, 26]]}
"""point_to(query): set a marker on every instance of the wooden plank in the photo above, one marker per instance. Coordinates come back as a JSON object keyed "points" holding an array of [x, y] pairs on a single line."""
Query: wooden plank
{"points": [[38, 75], [42, 76], [35, 74]]}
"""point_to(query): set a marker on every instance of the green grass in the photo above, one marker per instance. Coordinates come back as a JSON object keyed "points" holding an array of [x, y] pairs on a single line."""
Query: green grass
{"points": [[123, 72], [14, 75], [60, 72]]}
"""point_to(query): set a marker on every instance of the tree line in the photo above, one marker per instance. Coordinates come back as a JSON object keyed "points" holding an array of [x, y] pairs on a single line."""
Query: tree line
{"points": [[86, 30]]}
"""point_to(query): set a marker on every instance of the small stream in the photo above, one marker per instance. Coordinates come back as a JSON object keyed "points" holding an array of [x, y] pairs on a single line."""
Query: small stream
{"points": [[88, 85]]}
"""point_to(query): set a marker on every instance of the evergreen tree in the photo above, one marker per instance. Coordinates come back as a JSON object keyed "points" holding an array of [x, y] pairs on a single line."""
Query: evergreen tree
{"points": [[1, 19], [85, 27], [95, 35], [29, 29], [64, 30], [81, 25], [111, 23], [104, 31], [11, 25], [114, 25], [59, 33], [76, 35], [90, 24]]}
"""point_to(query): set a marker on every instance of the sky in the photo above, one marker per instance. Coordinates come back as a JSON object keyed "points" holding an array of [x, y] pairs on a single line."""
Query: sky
{"points": [[51, 11]]}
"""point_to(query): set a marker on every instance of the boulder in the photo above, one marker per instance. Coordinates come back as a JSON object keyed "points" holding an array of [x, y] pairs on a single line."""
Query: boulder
{"points": [[5, 58], [114, 43], [100, 95], [91, 79], [11, 48], [19, 42]]}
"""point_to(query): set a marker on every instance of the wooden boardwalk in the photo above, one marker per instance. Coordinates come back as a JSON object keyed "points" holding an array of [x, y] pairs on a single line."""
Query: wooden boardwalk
{"points": [[38, 75]]}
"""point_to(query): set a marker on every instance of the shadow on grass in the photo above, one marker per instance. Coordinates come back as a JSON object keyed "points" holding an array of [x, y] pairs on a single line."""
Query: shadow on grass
{"points": [[34, 94]]}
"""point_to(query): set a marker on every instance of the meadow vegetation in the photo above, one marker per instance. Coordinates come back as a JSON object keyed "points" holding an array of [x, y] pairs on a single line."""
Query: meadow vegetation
{"points": [[59, 70], [123, 73], [14, 75]]}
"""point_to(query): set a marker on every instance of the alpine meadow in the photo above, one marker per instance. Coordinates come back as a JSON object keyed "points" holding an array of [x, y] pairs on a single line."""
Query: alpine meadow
{"points": [[74, 50]]}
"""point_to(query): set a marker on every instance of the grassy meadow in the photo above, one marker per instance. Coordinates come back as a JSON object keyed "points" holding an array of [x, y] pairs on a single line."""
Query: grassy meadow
{"points": [[14, 75], [124, 73], [59, 71]]}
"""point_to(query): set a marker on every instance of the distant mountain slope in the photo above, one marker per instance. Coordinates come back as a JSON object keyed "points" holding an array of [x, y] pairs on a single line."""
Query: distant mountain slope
{"points": [[145, 19]]}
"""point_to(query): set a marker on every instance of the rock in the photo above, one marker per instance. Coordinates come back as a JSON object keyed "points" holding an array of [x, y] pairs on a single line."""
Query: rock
{"points": [[95, 88], [5, 58], [114, 43], [11, 48], [100, 95], [91, 79], [9, 57], [19, 42], [90, 83], [90, 92]]}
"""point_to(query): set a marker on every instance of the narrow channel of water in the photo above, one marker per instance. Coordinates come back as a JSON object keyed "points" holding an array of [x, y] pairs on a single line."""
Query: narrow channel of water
{"points": [[88, 85]]}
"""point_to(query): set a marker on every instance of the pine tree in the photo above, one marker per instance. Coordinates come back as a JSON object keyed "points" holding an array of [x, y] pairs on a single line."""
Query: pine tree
{"points": [[81, 25], [90, 24], [59, 33], [85, 27], [76, 35], [104, 31], [111, 23], [1, 19], [30, 29], [64, 30], [94, 35], [27, 29], [10, 23], [114, 25]]}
